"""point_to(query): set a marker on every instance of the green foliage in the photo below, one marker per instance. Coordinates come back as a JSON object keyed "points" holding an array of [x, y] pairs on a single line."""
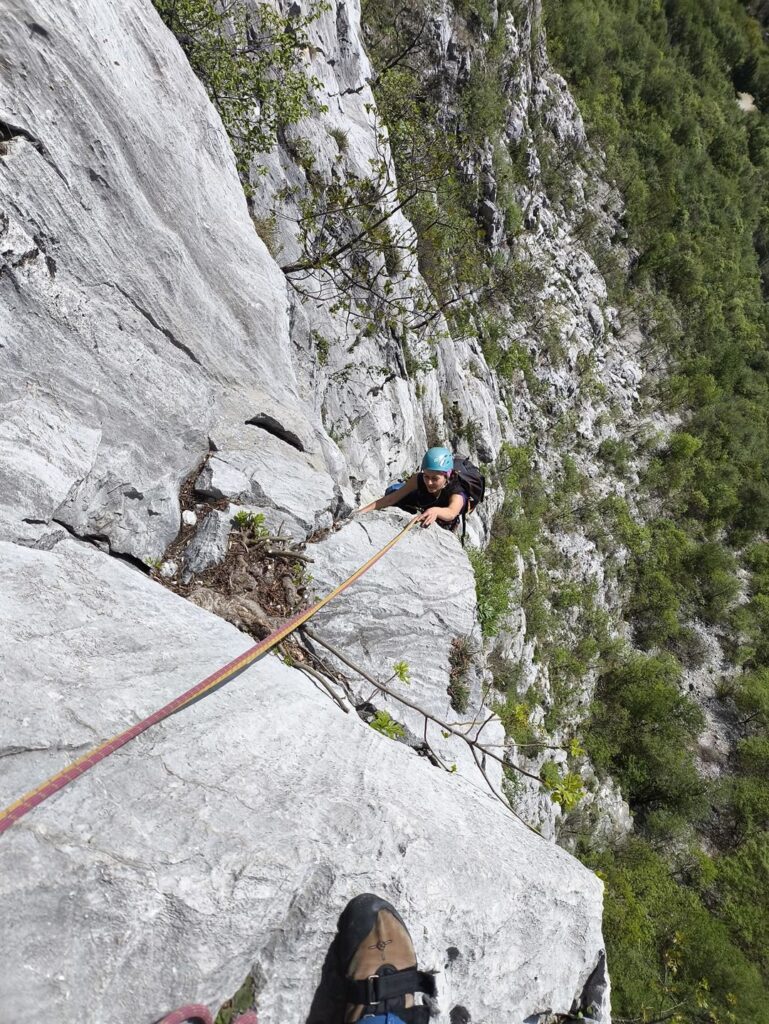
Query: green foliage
{"points": [[243, 1000], [674, 578], [615, 454], [752, 697], [267, 229], [460, 659], [432, 151], [656, 83], [484, 99], [492, 589], [321, 347], [251, 524], [402, 672], [643, 731], [514, 716], [670, 956], [341, 138], [476, 12], [565, 788], [569, 791], [385, 724], [250, 61], [739, 889], [301, 577]]}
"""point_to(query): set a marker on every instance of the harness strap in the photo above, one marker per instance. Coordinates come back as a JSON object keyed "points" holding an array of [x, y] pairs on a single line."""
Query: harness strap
{"points": [[380, 987]]}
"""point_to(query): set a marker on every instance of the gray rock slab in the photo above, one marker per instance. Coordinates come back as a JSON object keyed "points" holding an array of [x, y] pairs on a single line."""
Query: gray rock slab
{"points": [[140, 309], [229, 838], [408, 607], [262, 470], [208, 545]]}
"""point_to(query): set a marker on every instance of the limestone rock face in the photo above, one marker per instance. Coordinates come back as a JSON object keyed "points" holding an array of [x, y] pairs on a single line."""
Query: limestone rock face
{"points": [[259, 469], [228, 839], [209, 544], [414, 606], [141, 309]]}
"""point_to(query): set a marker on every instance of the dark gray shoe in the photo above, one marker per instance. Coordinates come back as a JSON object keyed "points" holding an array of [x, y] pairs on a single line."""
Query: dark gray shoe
{"points": [[379, 964]]}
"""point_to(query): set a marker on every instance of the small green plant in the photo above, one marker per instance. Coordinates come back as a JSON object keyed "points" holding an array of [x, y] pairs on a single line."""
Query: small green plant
{"points": [[301, 577], [251, 524], [384, 723], [460, 659], [514, 716], [321, 347], [303, 152], [267, 229], [243, 1000], [566, 790], [459, 695], [341, 138], [402, 671], [569, 791], [575, 748], [550, 774]]}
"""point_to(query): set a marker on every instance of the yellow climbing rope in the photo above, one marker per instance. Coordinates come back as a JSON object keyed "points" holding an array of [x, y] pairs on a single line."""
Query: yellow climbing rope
{"points": [[56, 782]]}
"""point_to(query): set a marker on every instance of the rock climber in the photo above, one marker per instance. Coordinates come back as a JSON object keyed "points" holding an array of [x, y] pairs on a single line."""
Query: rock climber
{"points": [[435, 491]]}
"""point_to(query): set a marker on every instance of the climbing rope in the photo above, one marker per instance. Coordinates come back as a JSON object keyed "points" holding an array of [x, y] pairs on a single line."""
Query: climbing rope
{"points": [[219, 678]]}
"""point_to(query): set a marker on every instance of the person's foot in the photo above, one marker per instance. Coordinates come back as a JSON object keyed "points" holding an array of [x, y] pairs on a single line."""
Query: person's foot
{"points": [[379, 964]]}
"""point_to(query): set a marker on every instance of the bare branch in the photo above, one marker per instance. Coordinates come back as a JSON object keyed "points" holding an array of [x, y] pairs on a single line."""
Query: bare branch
{"points": [[415, 707], [310, 671]]}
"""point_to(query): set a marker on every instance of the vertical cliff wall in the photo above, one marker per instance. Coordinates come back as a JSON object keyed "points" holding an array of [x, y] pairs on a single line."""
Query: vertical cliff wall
{"points": [[150, 340]]}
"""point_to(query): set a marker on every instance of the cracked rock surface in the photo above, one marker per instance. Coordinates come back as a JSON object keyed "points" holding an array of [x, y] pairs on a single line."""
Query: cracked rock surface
{"points": [[408, 607], [134, 288], [229, 838]]}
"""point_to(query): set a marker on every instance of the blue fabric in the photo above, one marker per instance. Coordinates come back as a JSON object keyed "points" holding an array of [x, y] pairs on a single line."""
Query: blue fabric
{"points": [[394, 487], [383, 1018]]}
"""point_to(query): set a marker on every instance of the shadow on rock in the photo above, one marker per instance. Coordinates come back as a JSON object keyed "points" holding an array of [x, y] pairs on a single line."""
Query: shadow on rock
{"points": [[328, 1003]]}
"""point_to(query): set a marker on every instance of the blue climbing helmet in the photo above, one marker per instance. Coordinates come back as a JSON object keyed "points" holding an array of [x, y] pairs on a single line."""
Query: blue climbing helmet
{"points": [[438, 460]]}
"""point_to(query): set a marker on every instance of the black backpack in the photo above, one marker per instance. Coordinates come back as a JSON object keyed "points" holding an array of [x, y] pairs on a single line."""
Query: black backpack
{"points": [[473, 484]]}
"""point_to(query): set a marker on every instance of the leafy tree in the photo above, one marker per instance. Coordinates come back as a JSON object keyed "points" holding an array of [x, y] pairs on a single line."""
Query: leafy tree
{"points": [[643, 731], [250, 60]]}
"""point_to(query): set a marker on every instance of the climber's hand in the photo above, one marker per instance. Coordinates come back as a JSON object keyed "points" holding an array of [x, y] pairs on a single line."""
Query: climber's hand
{"points": [[428, 517]]}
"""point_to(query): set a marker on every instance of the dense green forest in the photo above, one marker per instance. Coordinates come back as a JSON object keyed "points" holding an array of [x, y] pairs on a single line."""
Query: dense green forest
{"points": [[687, 911]]}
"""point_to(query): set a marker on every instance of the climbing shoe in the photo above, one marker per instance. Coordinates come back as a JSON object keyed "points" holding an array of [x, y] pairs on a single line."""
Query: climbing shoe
{"points": [[379, 964]]}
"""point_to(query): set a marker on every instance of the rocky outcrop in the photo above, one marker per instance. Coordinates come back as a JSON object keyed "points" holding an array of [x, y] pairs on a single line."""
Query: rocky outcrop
{"points": [[152, 342], [228, 839], [143, 313], [417, 606]]}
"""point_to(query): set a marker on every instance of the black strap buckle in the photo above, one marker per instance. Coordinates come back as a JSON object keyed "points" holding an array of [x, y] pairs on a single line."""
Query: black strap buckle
{"points": [[371, 990]]}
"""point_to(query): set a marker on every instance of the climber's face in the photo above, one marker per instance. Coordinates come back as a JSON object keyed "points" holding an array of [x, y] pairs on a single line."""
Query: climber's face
{"points": [[434, 482]]}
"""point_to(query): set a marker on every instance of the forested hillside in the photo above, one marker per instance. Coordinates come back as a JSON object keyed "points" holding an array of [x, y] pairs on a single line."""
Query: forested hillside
{"points": [[687, 907]]}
